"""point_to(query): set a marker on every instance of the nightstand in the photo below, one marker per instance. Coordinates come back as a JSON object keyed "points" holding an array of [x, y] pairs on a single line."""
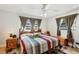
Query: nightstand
{"points": [[62, 41], [11, 44]]}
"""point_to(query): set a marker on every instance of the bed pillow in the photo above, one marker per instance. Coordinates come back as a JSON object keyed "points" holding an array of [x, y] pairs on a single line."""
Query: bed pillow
{"points": [[27, 34], [35, 33]]}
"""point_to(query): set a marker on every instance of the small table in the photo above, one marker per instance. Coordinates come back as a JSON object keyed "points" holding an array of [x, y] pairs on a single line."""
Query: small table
{"points": [[11, 43]]}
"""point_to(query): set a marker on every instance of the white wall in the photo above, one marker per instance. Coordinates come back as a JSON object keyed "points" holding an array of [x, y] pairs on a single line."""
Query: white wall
{"points": [[52, 26], [49, 25], [9, 23], [43, 25]]}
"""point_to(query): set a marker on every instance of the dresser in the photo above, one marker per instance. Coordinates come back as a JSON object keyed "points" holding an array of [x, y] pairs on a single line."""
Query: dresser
{"points": [[11, 43]]}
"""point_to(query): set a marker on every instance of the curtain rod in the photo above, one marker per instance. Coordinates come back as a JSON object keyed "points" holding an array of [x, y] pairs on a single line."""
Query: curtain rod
{"points": [[29, 17], [67, 15]]}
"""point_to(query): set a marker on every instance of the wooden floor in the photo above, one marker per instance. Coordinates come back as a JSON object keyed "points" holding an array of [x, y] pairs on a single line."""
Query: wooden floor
{"points": [[2, 50], [68, 50]]}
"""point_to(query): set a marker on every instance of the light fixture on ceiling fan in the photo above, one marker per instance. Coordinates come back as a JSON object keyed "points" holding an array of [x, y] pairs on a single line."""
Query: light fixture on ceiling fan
{"points": [[43, 9]]}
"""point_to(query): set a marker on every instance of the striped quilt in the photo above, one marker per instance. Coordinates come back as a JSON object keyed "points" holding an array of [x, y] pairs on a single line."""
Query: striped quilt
{"points": [[37, 45]]}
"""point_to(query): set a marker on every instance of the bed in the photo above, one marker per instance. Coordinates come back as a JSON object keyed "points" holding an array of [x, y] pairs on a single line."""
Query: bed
{"points": [[34, 43], [31, 39]]}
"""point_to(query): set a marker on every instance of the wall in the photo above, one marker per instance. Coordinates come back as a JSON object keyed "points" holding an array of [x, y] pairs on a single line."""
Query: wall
{"points": [[52, 26], [43, 25], [9, 23]]}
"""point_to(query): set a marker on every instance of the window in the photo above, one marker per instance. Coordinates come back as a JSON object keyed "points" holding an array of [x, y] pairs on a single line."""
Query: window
{"points": [[63, 25], [28, 25], [63, 28]]}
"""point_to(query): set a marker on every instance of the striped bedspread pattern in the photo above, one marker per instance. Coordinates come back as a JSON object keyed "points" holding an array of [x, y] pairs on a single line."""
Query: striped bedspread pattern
{"points": [[37, 45]]}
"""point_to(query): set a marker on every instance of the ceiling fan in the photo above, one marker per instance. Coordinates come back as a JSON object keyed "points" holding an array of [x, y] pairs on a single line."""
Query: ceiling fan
{"points": [[43, 9]]}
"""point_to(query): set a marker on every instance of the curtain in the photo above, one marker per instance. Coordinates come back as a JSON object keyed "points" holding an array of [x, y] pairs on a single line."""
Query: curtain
{"points": [[69, 21], [39, 22], [24, 21], [58, 24], [32, 20]]}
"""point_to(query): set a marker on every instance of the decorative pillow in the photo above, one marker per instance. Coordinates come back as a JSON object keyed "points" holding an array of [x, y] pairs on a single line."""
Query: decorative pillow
{"points": [[31, 36]]}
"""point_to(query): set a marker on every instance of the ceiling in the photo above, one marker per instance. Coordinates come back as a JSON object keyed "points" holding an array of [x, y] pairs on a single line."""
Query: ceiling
{"points": [[35, 9]]}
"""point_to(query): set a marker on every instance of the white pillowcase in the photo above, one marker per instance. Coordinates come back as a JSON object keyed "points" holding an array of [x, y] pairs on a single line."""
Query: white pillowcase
{"points": [[27, 34]]}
